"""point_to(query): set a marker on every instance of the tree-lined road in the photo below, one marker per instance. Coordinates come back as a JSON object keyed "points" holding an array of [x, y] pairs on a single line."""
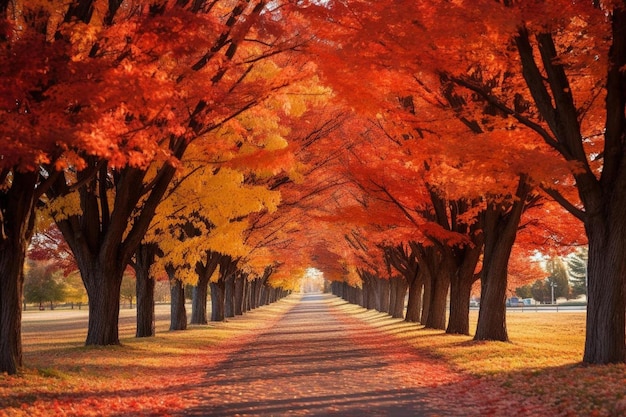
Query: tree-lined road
{"points": [[318, 360]]}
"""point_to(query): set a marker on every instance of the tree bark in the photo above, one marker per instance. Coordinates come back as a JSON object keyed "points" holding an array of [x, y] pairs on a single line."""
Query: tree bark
{"points": [[399, 288], [16, 228], [199, 300], [102, 282], [460, 293], [438, 300], [254, 293], [427, 290], [384, 294], [144, 258], [102, 237], [465, 260], [500, 230], [604, 342], [229, 295], [11, 286], [205, 270], [414, 303], [245, 304], [239, 293], [217, 300], [370, 288], [178, 320]]}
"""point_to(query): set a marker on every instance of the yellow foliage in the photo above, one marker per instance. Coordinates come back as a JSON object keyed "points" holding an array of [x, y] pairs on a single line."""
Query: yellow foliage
{"points": [[64, 207], [214, 205], [216, 275]]}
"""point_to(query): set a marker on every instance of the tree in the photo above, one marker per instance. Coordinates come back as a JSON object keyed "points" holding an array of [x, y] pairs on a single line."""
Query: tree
{"points": [[577, 272], [601, 191], [540, 291], [558, 277], [157, 106], [75, 290], [43, 284], [128, 289], [524, 292], [37, 132]]}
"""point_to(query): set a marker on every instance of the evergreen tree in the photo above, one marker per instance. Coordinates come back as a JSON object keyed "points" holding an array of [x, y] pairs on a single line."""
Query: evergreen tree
{"points": [[540, 291], [524, 292], [577, 272]]}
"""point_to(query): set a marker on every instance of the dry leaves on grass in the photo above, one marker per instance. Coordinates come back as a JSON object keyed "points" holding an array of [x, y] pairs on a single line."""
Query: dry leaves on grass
{"points": [[155, 376], [540, 368]]}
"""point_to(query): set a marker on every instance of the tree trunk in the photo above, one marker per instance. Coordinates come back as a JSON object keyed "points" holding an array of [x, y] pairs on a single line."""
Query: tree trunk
{"points": [[371, 291], [11, 285], [427, 290], [239, 293], [392, 295], [254, 293], [366, 291], [414, 303], [606, 218], [16, 229], [246, 295], [438, 300], [606, 270], [500, 231], [229, 295], [199, 300], [178, 320], [144, 258], [399, 288], [358, 296], [103, 283], [217, 300], [383, 294], [145, 306], [465, 260], [205, 271], [460, 292], [492, 313]]}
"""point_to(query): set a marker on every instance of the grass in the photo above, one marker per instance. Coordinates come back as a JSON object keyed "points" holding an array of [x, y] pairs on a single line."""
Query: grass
{"points": [[542, 359], [156, 376], [164, 373]]}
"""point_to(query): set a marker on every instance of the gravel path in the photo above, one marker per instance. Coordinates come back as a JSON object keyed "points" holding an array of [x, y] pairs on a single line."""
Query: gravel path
{"points": [[317, 360]]}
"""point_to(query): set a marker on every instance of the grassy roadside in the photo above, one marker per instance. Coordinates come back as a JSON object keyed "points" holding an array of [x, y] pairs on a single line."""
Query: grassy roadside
{"points": [[543, 359], [166, 373], [155, 376]]}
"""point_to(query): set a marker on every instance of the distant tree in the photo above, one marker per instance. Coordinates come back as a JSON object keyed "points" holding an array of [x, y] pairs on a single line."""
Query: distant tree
{"points": [[162, 291], [524, 292], [577, 272], [540, 291], [43, 284], [75, 292], [127, 290], [558, 276]]}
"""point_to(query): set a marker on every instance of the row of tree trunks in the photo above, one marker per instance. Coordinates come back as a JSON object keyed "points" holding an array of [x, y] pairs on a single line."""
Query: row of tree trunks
{"points": [[243, 294], [234, 294], [384, 295]]}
